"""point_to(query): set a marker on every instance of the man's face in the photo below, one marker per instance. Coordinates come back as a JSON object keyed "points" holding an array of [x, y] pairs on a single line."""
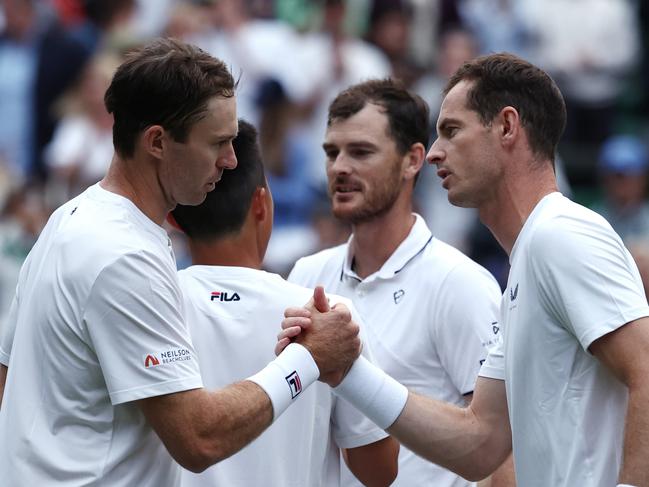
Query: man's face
{"points": [[465, 152], [364, 168], [192, 168]]}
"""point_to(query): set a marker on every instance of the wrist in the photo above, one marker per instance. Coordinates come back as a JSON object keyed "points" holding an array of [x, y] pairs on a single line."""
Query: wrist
{"points": [[373, 392], [287, 376]]}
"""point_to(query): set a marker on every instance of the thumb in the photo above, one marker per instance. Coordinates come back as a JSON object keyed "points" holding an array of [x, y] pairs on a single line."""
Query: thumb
{"points": [[320, 300]]}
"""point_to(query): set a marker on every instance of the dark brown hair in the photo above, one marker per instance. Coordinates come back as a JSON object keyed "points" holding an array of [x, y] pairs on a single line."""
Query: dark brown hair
{"points": [[407, 112], [501, 80], [167, 83]]}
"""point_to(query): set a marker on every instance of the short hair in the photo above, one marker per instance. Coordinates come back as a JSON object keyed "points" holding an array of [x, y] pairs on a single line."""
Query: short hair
{"points": [[167, 83], [407, 113], [225, 208], [501, 80]]}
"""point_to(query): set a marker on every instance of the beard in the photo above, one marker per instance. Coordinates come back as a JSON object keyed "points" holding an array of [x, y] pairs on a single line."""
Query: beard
{"points": [[378, 199]]}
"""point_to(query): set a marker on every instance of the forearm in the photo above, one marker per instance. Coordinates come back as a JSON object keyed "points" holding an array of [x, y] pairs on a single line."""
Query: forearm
{"points": [[636, 437], [375, 464], [200, 428], [449, 436], [231, 418]]}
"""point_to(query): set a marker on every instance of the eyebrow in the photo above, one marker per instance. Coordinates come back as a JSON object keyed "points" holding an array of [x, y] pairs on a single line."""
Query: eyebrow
{"points": [[352, 145]]}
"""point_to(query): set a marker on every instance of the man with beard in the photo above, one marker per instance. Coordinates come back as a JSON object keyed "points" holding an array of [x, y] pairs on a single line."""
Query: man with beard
{"points": [[431, 311]]}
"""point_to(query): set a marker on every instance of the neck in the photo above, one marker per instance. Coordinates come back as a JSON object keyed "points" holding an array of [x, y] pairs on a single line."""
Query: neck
{"points": [[232, 251], [376, 240], [513, 202], [133, 180]]}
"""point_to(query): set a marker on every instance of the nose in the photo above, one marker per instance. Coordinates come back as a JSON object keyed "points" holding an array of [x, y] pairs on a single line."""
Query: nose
{"points": [[227, 159], [340, 165], [435, 154]]}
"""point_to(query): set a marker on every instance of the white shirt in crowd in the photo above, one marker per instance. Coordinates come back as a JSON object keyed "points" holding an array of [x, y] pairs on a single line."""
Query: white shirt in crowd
{"points": [[234, 315], [431, 313], [571, 282], [96, 324]]}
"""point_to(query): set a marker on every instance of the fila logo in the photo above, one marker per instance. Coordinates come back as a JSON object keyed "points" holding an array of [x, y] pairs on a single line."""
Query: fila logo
{"points": [[151, 361], [495, 328], [513, 293], [294, 384], [223, 296], [398, 295]]}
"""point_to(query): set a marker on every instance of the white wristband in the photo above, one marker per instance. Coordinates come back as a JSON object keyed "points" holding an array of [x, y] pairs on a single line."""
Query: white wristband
{"points": [[287, 376], [373, 392], [625, 485]]}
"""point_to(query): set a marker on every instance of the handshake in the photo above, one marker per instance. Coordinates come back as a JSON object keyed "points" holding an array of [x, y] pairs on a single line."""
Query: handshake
{"points": [[320, 341], [327, 332]]}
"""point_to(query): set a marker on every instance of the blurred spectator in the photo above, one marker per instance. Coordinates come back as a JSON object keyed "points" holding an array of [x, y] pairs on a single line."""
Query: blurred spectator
{"points": [[589, 47], [256, 49], [285, 153], [498, 25], [389, 30], [22, 217], [623, 168], [38, 61], [82, 145]]}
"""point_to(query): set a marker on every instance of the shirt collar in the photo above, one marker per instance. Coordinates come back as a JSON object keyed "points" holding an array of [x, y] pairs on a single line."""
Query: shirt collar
{"points": [[416, 241]]}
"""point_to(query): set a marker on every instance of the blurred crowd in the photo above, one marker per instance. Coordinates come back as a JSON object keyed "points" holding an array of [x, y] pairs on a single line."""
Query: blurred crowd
{"points": [[291, 58]]}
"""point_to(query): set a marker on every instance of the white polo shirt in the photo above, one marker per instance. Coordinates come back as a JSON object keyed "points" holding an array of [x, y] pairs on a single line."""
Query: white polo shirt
{"points": [[571, 282], [431, 312], [97, 324], [234, 316]]}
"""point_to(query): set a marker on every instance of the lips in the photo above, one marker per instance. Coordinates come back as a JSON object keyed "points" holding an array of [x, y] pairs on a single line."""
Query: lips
{"points": [[444, 174]]}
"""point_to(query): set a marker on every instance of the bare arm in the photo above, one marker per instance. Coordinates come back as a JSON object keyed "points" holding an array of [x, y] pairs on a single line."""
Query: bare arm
{"points": [[471, 441], [625, 352], [3, 380], [200, 428], [375, 464], [504, 475]]}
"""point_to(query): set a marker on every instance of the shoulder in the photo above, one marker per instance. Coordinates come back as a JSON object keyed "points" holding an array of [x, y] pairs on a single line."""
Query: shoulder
{"points": [[570, 234], [319, 263]]}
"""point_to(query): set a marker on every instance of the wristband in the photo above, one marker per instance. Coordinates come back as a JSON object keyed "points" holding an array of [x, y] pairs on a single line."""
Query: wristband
{"points": [[287, 376], [625, 485], [373, 392]]}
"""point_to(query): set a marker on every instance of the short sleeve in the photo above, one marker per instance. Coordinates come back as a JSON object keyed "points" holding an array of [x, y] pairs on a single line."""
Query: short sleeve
{"points": [[587, 278], [494, 365], [466, 323], [135, 324]]}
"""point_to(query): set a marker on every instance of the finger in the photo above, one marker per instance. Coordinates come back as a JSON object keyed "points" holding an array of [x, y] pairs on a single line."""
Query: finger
{"points": [[297, 321], [281, 345], [295, 311], [291, 332], [320, 300]]}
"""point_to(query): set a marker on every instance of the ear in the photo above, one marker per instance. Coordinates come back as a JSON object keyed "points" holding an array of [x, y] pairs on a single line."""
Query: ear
{"points": [[414, 160], [152, 140], [509, 126], [259, 205]]}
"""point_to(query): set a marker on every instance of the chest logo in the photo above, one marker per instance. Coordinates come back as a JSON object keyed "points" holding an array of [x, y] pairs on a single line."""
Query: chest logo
{"points": [[398, 295], [224, 296], [495, 328], [513, 293]]}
